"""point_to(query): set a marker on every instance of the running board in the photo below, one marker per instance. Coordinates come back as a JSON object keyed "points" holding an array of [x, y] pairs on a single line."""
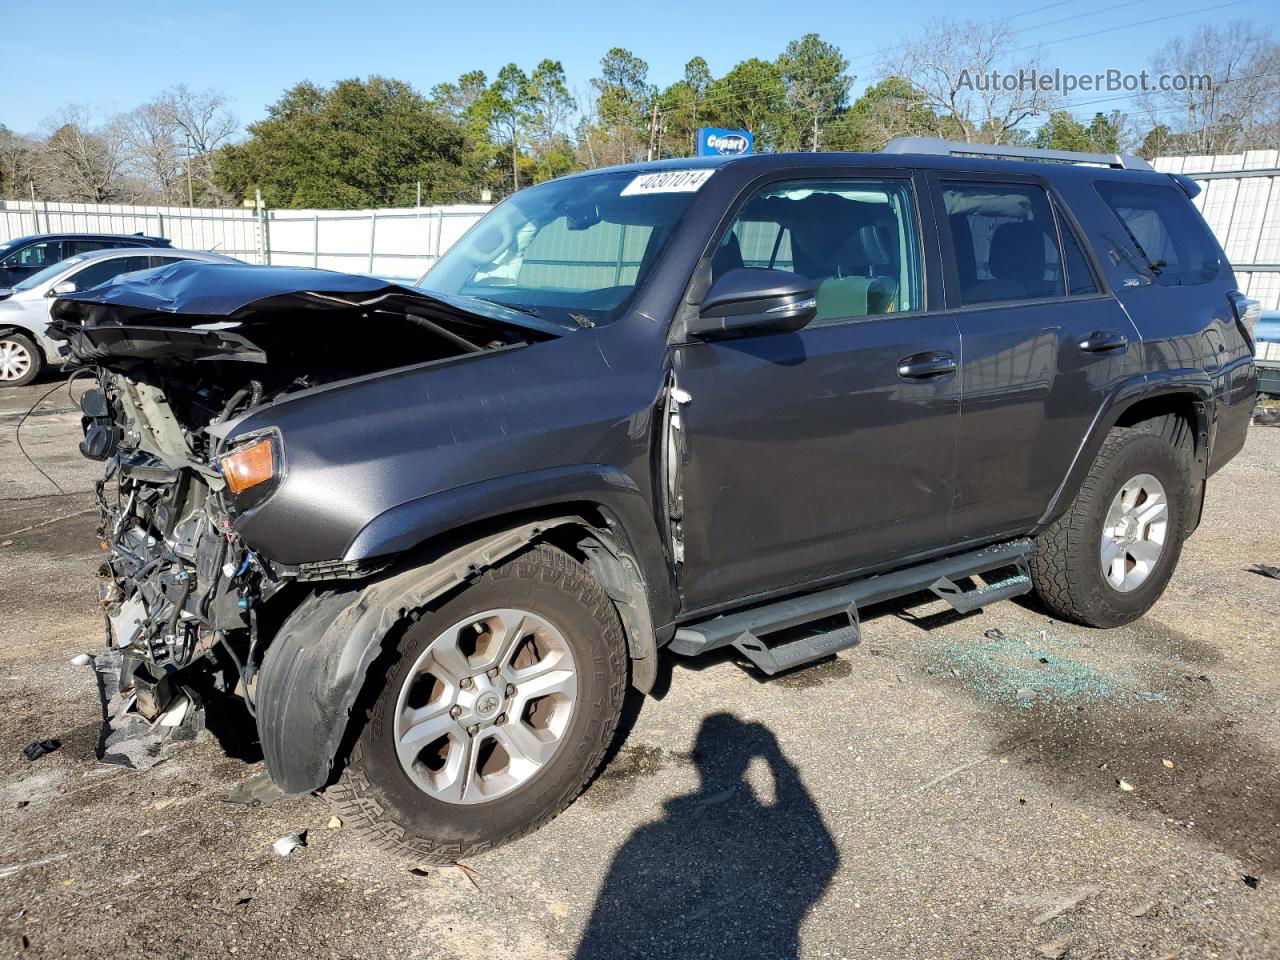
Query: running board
{"points": [[798, 630]]}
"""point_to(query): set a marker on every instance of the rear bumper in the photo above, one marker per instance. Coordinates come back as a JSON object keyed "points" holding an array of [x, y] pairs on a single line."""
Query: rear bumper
{"points": [[1234, 413], [1269, 371]]}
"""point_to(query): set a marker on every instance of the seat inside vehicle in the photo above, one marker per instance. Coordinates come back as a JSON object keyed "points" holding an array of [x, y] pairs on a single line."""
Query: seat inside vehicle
{"points": [[849, 244]]}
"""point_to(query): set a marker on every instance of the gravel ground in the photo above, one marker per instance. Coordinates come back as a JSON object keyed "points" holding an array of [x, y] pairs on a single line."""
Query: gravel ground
{"points": [[938, 791]]}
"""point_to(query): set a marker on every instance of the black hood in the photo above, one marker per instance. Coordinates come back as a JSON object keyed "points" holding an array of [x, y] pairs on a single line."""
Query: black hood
{"points": [[197, 309]]}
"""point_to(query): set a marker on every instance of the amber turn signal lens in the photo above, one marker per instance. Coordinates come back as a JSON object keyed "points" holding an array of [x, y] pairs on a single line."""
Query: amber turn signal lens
{"points": [[249, 466]]}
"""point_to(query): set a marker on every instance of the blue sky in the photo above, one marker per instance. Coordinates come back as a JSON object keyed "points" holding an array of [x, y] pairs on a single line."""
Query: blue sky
{"points": [[113, 56]]}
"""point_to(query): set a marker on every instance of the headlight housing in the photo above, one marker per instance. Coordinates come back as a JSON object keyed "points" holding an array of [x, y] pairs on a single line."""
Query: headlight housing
{"points": [[252, 470]]}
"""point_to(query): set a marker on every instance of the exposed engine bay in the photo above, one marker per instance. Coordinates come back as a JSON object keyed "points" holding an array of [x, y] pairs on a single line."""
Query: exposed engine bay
{"points": [[177, 364]]}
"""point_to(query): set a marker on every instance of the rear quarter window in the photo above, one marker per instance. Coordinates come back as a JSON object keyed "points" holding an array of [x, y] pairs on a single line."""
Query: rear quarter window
{"points": [[1167, 230]]}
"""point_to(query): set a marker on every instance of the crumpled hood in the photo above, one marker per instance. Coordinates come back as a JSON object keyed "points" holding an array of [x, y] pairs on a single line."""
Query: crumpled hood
{"points": [[219, 298]]}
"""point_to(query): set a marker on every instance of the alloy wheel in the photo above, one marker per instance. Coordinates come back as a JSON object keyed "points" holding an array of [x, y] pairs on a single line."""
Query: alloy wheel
{"points": [[485, 706], [1134, 532]]}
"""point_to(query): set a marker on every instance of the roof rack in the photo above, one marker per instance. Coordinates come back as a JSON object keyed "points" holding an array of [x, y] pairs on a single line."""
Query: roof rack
{"points": [[937, 147]]}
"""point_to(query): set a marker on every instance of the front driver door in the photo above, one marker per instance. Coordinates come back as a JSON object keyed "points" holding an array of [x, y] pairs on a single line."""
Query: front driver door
{"points": [[810, 454]]}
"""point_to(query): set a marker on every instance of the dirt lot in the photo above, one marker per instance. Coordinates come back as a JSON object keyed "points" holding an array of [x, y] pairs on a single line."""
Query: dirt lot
{"points": [[933, 792]]}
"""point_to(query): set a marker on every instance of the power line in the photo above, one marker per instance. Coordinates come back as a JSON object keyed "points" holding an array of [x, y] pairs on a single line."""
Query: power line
{"points": [[738, 95]]}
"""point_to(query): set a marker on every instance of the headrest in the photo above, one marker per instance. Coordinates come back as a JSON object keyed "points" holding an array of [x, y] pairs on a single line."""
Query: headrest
{"points": [[873, 244], [1017, 251]]}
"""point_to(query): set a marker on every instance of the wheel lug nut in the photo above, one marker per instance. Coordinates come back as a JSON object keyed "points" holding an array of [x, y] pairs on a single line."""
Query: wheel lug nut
{"points": [[493, 674], [455, 712], [511, 689], [502, 718], [473, 729], [466, 683]]}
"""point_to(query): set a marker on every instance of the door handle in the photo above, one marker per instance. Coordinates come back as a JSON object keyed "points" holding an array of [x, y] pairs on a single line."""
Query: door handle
{"points": [[926, 366], [1100, 341]]}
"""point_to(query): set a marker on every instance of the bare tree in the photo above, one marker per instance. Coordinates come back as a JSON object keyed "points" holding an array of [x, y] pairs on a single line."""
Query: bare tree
{"points": [[156, 151], [1239, 109], [83, 161], [205, 124], [16, 163], [968, 73]]}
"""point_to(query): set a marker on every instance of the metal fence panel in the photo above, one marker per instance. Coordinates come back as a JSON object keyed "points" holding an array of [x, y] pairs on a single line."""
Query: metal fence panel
{"points": [[399, 243]]}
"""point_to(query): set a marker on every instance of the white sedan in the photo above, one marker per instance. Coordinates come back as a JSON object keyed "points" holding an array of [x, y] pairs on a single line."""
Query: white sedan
{"points": [[24, 310]]}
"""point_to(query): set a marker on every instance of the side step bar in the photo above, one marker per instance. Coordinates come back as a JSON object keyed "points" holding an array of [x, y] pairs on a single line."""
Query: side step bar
{"points": [[798, 630]]}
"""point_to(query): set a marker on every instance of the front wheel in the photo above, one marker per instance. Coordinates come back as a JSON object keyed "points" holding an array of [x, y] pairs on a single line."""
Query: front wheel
{"points": [[494, 714], [20, 359], [1108, 559]]}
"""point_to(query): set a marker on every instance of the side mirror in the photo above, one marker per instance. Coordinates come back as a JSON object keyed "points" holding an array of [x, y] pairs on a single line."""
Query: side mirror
{"points": [[747, 300], [58, 289]]}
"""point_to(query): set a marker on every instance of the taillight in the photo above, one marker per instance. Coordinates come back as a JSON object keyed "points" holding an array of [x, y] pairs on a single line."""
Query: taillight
{"points": [[1248, 312]]}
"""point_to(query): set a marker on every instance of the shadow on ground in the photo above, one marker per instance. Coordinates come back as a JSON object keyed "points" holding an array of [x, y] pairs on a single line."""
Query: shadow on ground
{"points": [[729, 871]]}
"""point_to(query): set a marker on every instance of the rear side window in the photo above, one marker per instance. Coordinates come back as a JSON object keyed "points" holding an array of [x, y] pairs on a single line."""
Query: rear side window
{"points": [[84, 246], [1079, 274], [1165, 227], [1005, 241]]}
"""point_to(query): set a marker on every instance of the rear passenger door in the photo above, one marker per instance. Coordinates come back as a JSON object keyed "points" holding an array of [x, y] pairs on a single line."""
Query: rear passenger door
{"points": [[1042, 345], [814, 453]]}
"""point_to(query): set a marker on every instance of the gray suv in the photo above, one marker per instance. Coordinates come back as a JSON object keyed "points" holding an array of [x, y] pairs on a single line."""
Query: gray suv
{"points": [[430, 536]]}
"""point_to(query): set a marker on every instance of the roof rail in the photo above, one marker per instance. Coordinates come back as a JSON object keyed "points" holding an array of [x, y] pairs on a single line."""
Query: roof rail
{"points": [[937, 147]]}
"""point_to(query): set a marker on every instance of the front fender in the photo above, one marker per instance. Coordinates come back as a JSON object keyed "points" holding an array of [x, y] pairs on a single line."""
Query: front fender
{"points": [[616, 495], [316, 666]]}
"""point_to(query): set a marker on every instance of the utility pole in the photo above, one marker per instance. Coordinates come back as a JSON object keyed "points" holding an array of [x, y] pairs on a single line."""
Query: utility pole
{"points": [[653, 128], [191, 201]]}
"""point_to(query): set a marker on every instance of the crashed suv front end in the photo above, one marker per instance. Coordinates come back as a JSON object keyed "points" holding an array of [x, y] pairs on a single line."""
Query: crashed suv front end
{"points": [[182, 355]]}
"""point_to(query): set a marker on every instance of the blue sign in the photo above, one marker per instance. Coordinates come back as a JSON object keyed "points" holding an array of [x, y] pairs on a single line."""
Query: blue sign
{"points": [[714, 142]]}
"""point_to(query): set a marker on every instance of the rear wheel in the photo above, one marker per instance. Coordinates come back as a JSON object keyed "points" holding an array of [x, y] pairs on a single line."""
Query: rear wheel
{"points": [[493, 716], [20, 359], [1110, 556]]}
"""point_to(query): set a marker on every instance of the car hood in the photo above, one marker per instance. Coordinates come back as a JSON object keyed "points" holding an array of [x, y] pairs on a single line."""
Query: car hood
{"points": [[198, 310]]}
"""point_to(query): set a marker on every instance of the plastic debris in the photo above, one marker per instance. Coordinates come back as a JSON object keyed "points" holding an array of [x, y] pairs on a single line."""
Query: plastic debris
{"points": [[335, 823], [289, 843], [1125, 785], [1168, 763], [81, 660], [175, 713], [1250, 881], [419, 872], [258, 791], [1265, 570], [38, 748], [1053, 950], [1141, 911], [995, 633]]}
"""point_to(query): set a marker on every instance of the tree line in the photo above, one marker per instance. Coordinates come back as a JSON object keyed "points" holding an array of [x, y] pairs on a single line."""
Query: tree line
{"points": [[381, 142]]}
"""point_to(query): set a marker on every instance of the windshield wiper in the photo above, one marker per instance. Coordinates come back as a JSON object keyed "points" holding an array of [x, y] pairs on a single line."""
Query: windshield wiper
{"points": [[518, 308]]}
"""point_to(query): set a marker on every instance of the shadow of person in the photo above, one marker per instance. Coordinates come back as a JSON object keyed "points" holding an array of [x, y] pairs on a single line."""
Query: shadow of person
{"points": [[725, 873]]}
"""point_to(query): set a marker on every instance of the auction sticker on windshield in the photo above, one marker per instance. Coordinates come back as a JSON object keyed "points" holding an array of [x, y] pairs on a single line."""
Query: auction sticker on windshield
{"points": [[667, 181]]}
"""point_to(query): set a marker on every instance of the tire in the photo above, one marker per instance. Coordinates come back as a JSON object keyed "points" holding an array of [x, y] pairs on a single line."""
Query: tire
{"points": [[20, 359], [1067, 568], [402, 808]]}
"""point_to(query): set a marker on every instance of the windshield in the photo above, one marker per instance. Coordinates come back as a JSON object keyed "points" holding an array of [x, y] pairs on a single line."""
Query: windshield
{"points": [[40, 276], [571, 251]]}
